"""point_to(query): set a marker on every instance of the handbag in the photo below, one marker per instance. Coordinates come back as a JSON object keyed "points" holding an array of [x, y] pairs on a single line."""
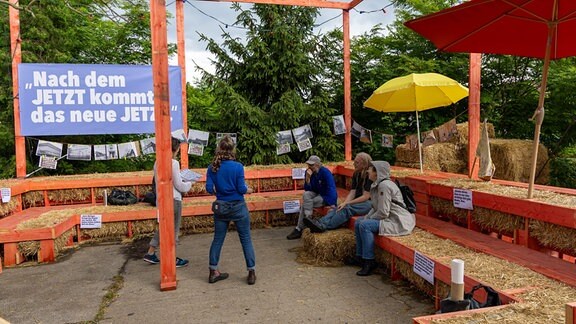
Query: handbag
{"points": [[492, 297]]}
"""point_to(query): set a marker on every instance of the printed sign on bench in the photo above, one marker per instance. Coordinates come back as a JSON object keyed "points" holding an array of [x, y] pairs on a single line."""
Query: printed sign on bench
{"points": [[90, 221]]}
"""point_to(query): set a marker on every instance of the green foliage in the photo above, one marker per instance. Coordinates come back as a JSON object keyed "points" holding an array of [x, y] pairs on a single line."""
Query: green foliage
{"points": [[563, 172], [271, 83]]}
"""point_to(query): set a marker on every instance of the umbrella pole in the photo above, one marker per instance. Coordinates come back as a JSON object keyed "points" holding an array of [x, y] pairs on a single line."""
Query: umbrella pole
{"points": [[419, 142]]}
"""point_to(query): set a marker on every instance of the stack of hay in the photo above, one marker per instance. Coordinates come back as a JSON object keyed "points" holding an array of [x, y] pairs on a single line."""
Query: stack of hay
{"points": [[511, 157]]}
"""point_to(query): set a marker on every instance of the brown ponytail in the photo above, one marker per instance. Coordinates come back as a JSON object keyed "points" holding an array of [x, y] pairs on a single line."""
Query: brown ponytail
{"points": [[224, 151]]}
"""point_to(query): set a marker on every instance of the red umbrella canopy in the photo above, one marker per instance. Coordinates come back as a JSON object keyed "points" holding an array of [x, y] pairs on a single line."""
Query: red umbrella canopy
{"points": [[513, 27]]}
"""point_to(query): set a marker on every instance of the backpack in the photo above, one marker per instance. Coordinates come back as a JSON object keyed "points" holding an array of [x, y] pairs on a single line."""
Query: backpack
{"points": [[122, 197], [492, 297], [408, 196]]}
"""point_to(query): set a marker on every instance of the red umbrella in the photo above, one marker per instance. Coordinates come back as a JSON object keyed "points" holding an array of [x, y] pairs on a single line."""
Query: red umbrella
{"points": [[532, 28]]}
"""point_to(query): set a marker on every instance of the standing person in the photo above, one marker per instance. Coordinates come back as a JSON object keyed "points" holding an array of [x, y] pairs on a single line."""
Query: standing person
{"points": [[320, 190], [180, 187], [357, 202], [388, 216], [225, 179]]}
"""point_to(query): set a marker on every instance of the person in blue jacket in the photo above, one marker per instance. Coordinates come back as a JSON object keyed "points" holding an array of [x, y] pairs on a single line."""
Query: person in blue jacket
{"points": [[320, 190], [225, 179]]}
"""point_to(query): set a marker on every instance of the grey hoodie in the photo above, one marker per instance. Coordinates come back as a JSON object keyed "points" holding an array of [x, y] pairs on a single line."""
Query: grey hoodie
{"points": [[395, 220]]}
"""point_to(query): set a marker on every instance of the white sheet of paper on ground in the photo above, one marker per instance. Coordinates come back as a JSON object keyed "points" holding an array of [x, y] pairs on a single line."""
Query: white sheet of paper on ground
{"points": [[190, 176], [6, 194]]}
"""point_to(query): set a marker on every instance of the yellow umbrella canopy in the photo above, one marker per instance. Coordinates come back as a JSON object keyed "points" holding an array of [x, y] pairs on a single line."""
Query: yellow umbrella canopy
{"points": [[416, 92]]}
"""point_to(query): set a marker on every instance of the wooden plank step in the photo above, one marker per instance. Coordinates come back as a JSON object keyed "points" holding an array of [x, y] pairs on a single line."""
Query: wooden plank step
{"points": [[547, 265]]}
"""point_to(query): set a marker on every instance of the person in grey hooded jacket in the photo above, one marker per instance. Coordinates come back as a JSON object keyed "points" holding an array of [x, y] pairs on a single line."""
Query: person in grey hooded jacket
{"points": [[388, 216]]}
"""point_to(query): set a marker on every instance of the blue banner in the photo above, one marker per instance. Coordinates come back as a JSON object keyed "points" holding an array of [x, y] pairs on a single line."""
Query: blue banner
{"points": [[78, 99]]}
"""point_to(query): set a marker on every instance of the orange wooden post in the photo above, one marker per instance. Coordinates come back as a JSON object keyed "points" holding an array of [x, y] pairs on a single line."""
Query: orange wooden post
{"points": [[474, 112], [347, 89], [46, 252], [16, 52], [163, 143], [182, 63], [571, 313], [11, 254]]}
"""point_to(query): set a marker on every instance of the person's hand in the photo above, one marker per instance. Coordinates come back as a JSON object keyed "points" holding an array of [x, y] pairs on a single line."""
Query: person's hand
{"points": [[342, 205], [308, 175], [250, 190]]}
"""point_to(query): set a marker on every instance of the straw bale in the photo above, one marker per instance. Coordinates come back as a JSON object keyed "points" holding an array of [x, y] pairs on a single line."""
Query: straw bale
{"points": [[29, 249], [8, 208], [446, 208], [554, 236], [274, 184], [33, 199], [142, 228], [462, 136], [258, 219], [277, 218], [545, 196], [446, 157], [93, 176], [326, 249], [108, 231], [497, 221], [198, 188], [406, 270], [68, 196], [61, 242], [383, 257], [513, 160], [197, 224]]}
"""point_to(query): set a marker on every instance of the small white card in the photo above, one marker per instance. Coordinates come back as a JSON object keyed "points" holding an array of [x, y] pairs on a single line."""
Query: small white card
{"points": [[6, 194], [90, 221], [298, 173], [463, 199], [291, 206], [424, 267], [48, 162]]}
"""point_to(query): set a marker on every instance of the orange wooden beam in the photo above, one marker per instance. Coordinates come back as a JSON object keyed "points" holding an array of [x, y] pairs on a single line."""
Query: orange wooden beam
{"points": [[302, 3], [353, 4], [474, 111], [347, 87], [16, 53], [182, 63], [571, 313]]}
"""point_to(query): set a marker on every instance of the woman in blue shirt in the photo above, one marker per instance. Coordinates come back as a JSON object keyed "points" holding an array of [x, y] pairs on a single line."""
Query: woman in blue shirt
{"points": [[225, 179]]}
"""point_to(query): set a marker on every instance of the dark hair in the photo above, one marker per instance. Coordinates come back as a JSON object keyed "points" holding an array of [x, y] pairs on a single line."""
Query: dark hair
{"points": [[224, 151], [175, 144]]}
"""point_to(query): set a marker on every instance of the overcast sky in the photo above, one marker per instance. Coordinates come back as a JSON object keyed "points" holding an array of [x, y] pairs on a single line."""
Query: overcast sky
{"points": [[209, 17]]}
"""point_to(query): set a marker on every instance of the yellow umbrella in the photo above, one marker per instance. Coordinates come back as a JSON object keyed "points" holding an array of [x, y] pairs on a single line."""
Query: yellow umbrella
{"points": [[416, 92]]}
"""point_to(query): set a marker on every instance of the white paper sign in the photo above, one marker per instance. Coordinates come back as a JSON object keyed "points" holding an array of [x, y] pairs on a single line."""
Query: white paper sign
{"points": [[6, 194], [291, 206], [298, 173], [463, 199], [90, 221], [424, 267]]}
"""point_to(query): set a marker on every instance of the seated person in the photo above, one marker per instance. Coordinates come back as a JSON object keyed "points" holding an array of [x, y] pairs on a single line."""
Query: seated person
{"points": [[320, 190], [388, 217], [357, 202]]}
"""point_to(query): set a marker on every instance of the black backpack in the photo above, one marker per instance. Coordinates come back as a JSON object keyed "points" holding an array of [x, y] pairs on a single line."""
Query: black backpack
{"points": [[492, 297], [408, 196]]}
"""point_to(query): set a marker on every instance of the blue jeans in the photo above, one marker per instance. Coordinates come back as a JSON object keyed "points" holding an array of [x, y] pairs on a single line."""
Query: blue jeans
{"points": [[364, 230], [335, 218], [241, 219]]}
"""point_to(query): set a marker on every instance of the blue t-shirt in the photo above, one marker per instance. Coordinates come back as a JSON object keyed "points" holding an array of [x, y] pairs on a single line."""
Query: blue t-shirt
{"points": [[228, 183], [322, 182]]}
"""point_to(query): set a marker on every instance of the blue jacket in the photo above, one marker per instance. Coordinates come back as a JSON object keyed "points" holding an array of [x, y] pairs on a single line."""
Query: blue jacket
{"points": [[323, 183], [228, 183]]}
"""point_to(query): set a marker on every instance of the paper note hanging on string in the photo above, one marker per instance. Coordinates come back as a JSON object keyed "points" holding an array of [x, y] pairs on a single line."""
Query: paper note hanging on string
{"points": [[48, 162]]}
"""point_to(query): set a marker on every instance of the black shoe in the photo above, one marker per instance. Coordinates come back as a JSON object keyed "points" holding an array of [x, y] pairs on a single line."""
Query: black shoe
{"points": [[216, 276], [355, 261], [296, 234], [313, 225], [367, 267], [251, 277]]}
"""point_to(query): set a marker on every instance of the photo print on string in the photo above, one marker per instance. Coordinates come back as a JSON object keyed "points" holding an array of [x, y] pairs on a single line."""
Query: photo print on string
{"points": [[111, 152], [127, 150], [198, 137], [304, 145], [148, 145], [100, 152], [447, 131], [283, 149], [180, 135], [196, 149], [366, 136], [339, 125], [284, 137], [429, 138], [356, 129], [302, 133], [47, 148], [387, 141], [48, 162], [79, 152], [412, 141]]}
